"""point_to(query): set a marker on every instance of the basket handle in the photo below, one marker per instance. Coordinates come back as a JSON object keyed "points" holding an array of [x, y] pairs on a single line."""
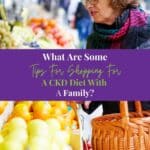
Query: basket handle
{"points": [[138, 108], [124, 111]]}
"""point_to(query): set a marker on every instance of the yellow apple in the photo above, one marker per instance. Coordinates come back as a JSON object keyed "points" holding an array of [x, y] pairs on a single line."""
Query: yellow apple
{"points": [[38, 127], [19, 135], [11, 145], [62, 137], [39, 143], [53, 124], [15, 123]]}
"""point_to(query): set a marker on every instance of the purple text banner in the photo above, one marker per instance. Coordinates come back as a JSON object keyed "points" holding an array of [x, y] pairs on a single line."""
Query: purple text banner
{"points": [[74, 75]]}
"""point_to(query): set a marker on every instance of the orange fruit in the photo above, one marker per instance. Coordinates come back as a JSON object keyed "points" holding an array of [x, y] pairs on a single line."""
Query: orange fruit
{"points": [[22, 110], [28, 103], [44, 23], [3, 105], [53, 103], [48, 29], [41, 110], [52, 23]]}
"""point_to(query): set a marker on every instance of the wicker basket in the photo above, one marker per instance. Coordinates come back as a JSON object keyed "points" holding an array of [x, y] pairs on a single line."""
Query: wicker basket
{"points": [[124, 131]]}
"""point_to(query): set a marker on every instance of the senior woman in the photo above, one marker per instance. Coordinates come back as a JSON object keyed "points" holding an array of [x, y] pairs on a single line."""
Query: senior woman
{"points": [[118, 24]]}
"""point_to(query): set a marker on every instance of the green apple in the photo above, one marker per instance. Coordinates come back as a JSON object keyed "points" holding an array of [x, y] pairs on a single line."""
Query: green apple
{"points": [[11, 145], [38, 127], [62, 137], [15, 123], [19, 135], [39, 143], [53, 125]]}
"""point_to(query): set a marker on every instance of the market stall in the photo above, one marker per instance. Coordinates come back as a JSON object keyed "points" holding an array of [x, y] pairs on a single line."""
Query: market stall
{"points": [[36, 125], [33, 27]]}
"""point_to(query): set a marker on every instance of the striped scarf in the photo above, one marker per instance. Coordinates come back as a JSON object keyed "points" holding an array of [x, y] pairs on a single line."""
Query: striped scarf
{"points": [[131, 30]]}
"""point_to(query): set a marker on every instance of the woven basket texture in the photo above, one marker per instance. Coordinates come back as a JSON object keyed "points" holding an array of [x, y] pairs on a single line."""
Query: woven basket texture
{"points": [[122, 131]]}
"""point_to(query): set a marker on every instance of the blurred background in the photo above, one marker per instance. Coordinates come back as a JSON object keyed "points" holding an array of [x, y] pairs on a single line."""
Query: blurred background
{"points": [[70, 16]]}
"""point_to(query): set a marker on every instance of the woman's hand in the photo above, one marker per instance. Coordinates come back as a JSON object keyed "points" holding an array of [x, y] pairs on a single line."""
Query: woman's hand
{"points": [[86, 104]]}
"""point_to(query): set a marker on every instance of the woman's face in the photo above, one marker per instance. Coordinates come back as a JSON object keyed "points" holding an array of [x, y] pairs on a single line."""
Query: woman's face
{"points": [[101, 11]]}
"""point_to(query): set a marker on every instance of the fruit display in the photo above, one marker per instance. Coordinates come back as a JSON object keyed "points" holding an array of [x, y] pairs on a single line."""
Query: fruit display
{"points": [[33, 33], [29, 110], [6, 39], [25, 38], [2, 12], [22, 35], [38, 34], [37, 125], [34, 135], [41, 34], [52, 30]]}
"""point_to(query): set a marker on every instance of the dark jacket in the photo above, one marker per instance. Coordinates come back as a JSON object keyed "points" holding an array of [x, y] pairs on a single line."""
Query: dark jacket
{"points": [[131, 30]]}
